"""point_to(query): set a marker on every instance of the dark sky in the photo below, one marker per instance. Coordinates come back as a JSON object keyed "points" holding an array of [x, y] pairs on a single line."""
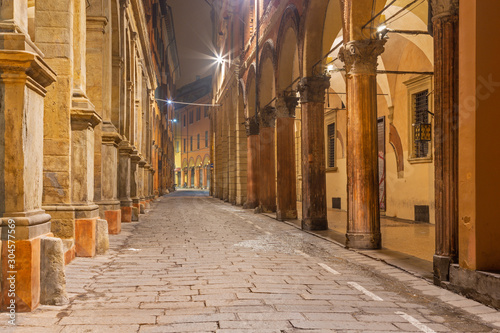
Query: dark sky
{"points": [[193, 33]]}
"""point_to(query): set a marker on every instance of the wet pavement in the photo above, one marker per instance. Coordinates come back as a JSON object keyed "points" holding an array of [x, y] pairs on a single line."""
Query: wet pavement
{"points": [[196, 264]]}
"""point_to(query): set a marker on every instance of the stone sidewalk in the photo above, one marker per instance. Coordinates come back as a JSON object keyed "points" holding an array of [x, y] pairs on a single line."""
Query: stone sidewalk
{"points": [[195, 264]]}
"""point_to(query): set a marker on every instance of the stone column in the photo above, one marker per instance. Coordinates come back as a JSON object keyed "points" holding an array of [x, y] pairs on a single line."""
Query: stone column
{"points": [[312, 96], [197, 177], [285, 150], [124, 166], [267, 173], [142, 197], [24, 77], [109, 204], [253, 158], [363, 225], [205, 176], [445, 27], [189, 178], [134, 184], [183, 177]]}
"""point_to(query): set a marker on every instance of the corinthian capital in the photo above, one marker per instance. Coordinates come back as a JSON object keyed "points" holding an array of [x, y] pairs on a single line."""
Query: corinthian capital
{"points": [[312, 89], [442, 8], [286, 104], [360, 56], [268, 116], [252, 126]]}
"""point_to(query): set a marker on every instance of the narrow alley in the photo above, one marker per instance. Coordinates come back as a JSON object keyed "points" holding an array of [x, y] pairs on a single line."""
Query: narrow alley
{"points": [[195, 264]]}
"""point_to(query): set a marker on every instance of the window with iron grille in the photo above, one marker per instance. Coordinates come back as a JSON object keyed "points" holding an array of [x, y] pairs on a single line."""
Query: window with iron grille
{"points": [[420, 116], [331, 145]]}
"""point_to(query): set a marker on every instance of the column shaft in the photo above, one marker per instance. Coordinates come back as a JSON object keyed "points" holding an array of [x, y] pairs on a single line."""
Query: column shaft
{"points": [[312, 91], [285, 148], [253, 162], [363, 225], [446, 140]]}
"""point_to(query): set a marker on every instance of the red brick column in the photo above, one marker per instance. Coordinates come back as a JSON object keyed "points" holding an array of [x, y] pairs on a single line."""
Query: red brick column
{"points": [[253, 159], [267, 192], [312, 95], [445, 26], [363, 225], [285, 148]]}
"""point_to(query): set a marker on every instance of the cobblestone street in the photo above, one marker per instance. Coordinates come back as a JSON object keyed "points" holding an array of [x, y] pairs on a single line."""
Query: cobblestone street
{"points": [[196, 264]]}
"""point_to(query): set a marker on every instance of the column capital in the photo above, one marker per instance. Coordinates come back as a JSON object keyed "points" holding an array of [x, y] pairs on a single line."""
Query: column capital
{"points": [[125, 3], [360, 56], [442, 8], [312, 88], [286, 104], [252, 126], [268, 116]]}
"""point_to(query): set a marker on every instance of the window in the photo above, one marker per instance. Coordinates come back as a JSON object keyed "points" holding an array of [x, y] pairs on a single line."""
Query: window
{"points": [[190, 117], [177, 144], [191, 146], [184, 121], [198, 144], [206, 112], [331, 145], [420, 102], [185, 145], [206, 139], [198, 114], [420, 116]]}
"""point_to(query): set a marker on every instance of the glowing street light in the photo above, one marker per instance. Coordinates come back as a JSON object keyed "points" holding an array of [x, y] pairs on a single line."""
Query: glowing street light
{"points": [[219, 59], [169, 101]]}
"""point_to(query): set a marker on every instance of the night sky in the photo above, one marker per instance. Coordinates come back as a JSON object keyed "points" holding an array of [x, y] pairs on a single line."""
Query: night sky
{"points": [[193, 33]]}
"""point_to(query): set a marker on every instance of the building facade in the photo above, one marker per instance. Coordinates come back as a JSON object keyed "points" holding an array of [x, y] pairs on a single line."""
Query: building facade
{"points": [[85, 146], [193, 134], [362, 106]]}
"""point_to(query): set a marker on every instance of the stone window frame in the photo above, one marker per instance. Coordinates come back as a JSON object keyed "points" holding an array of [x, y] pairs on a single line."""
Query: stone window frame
{"points": [[330, 118], [414, 86]]}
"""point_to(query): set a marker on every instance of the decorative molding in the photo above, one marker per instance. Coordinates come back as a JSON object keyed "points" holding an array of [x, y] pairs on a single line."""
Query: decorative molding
{"points": [[360, 56]]}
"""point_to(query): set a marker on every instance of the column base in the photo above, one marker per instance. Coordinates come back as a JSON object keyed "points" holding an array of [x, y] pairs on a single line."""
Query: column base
{"points": [[69, 250], [85, 237], [142, 207], [114, 218], [441, 268], [267, 209], [27, 278], [135, 212], [126, 213], [314, 224], [250, 205], [363, 241], [286, 215]]}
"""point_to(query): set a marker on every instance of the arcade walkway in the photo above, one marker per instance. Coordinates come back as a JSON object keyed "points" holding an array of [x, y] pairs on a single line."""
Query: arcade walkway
{"points": [[195, 264]]}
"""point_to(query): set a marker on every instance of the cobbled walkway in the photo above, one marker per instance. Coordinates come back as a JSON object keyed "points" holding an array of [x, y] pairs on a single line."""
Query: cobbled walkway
{"points": [[196, 264]]}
